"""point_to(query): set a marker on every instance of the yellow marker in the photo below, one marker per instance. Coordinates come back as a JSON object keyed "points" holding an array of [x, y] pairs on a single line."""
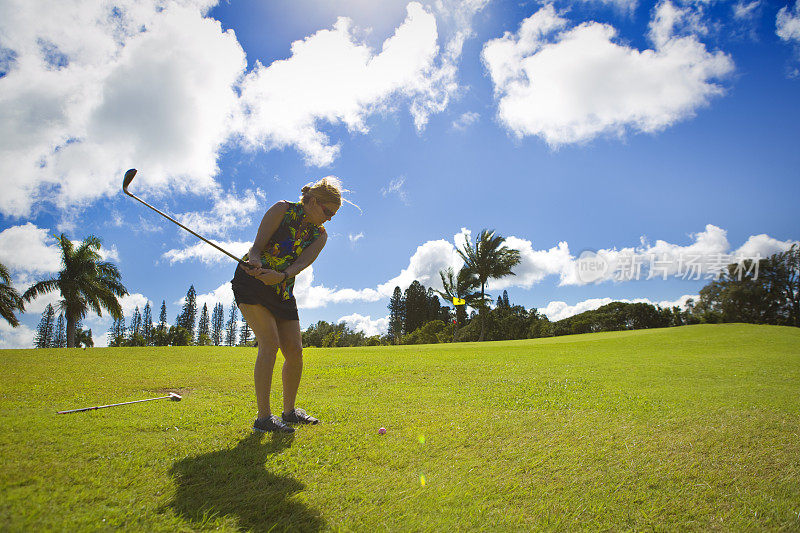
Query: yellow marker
{"points": [[458, 301], [422, 480]]}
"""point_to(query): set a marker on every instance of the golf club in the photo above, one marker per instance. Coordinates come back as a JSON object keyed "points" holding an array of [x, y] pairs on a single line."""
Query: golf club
{"points": [[172, 396], [127, 181]]}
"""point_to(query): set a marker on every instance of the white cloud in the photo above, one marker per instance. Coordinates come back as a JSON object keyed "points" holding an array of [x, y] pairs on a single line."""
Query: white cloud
{"points": [[746, 15], [94, 88], [91, 89], [222, 294], [680, 302], [332, 78], [228, 211], [19, 337], [669, 22], [466, 120], [787, 27], [208, 254], [570, 85], [370, 327], [146, 226], [396, 187], [709, 251], [310, 296], [787, 23], [433, 256], [355, 238], [29, 248], [534, 265], [129, 303], [424, 266], [557, 310], [661, 259], [455, 17], [762, 245], [746, 11]]}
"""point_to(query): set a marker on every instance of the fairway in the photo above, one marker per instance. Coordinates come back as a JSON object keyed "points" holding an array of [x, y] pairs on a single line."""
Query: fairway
{"points": [[688, 428]]}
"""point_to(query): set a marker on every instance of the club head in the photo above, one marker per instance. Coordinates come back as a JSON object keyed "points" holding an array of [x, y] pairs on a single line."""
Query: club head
{"points": [[172, 396], [128, 179]]}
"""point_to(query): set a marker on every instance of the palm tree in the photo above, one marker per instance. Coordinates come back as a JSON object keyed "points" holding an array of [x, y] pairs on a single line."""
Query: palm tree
{"points": [[83, 337], [85, 283], [459, 286], [10, 300], [489, 259]]}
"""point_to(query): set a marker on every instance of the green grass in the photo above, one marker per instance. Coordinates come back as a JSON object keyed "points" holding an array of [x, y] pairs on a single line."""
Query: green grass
{"points": [[691, 428]]}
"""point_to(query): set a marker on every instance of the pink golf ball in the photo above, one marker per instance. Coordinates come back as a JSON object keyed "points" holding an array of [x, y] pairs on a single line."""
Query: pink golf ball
{"points": [[382, 431]]}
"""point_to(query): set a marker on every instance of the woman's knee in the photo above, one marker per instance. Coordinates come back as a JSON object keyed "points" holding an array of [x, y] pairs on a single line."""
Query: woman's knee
{"points": [[293, 353], [267, 352]]}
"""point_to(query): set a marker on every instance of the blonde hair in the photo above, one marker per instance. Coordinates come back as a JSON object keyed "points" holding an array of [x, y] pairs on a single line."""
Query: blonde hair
{"points": [[328, 190]]}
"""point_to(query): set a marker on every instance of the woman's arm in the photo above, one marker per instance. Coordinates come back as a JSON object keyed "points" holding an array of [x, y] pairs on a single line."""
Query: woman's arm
{"points": [[269, 225], [308, 256]]}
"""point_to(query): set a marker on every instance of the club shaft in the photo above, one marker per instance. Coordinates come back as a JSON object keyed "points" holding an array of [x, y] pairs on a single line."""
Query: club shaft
{"points": [[187, 229], [112, 405]]}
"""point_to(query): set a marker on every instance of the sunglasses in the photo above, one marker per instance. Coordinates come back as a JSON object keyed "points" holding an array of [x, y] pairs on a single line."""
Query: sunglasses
{"points": [[328, 212]]}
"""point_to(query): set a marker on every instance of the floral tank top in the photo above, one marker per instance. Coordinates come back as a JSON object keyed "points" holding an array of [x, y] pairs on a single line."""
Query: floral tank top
{"points": [[286, 245]]}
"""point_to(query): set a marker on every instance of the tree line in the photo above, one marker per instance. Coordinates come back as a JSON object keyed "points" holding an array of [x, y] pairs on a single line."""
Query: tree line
{"points": [[87, 283], [186, 329], [764, 293], [52, 332]]}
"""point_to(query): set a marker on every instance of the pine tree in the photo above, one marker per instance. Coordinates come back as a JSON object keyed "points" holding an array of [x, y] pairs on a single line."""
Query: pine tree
{"points": [[416, 307], [112, 332], [188, 315], [160, 335], [230, 327], [217, 323], [434, 307], [162, 319], [134, 337], [244, 333], [60, 340], [397, 306], [506, 303], [44, 333], [136, 323], [116, 336], [147, 325], [203, 327]]}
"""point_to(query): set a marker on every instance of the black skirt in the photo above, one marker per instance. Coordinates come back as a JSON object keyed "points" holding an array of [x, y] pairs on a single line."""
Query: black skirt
{"points": [[249, 290]]}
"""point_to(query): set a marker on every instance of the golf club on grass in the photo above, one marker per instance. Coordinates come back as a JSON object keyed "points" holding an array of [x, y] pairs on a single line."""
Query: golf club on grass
{"points": [[127, 181], [172, 396]]}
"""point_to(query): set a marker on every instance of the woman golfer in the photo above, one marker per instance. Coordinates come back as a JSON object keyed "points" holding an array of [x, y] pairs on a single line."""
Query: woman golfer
{"points": [[289, 239]]}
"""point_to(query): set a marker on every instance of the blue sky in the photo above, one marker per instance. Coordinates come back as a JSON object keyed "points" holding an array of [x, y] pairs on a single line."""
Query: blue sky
{"points": [[632, 131]]}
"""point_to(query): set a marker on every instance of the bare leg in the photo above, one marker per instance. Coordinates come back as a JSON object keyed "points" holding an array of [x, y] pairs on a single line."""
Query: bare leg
{"points": [[291, 343], [265, 328]]}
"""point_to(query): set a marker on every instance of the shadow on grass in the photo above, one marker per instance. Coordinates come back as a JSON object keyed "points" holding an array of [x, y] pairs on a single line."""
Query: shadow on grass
{"points": [[234, 483]]}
